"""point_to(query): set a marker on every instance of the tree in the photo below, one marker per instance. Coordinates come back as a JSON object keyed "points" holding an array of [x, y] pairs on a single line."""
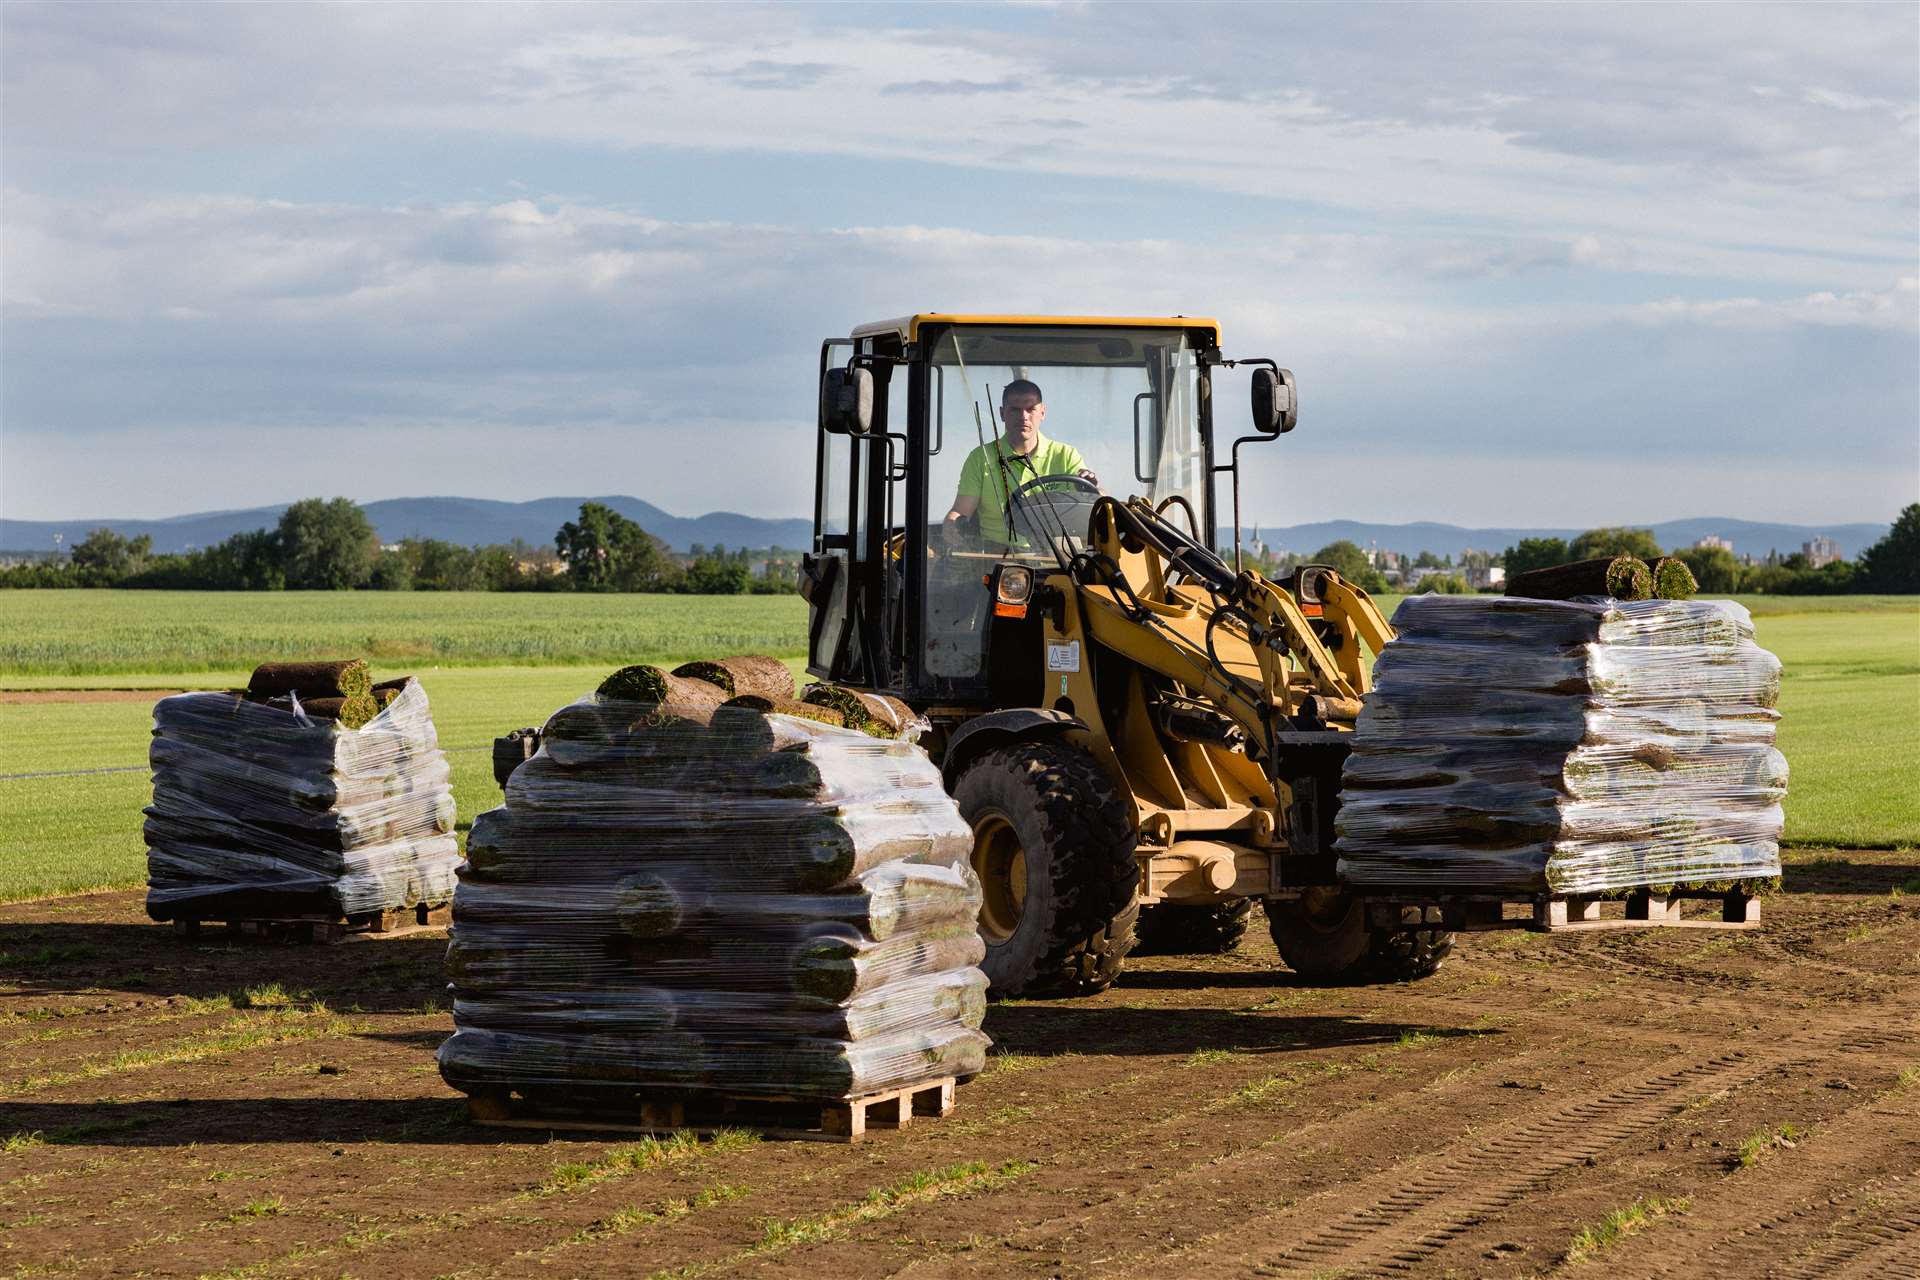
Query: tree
{"points": [[1614, 541], [326, 546], [1714, 568], [444, 566], [1446, 584], [1426, 560], [393, 571], [1891, 565], [605, 551], [716, 576], [1535, 553], [1351, 563], [103, 557], [248, 561]]}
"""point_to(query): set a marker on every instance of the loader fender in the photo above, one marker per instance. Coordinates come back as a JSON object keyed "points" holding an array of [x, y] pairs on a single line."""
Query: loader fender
{"points": [[999, 728]]}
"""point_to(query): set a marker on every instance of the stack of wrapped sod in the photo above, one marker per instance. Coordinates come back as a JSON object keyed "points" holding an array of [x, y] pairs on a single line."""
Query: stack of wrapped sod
{"points": [[265, 801], [1565, 746], [681, 897]]}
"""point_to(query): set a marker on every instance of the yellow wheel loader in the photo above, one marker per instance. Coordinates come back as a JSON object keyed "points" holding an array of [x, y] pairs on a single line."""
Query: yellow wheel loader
{"points": [[1014, 532]]}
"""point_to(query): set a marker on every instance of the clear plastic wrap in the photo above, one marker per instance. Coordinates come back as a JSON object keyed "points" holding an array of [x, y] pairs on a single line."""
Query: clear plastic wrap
{"points": [[715, 899], [259, 808], [1571, 746]]}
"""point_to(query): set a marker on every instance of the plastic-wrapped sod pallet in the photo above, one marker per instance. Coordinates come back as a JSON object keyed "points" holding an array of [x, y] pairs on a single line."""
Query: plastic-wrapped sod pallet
{"points": [[1582, 746], [260, 808], [724, 901]]}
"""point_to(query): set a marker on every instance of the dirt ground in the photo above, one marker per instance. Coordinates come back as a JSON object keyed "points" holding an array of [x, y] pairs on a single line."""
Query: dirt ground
{"points": [[1749, 1102], [32, 697]]}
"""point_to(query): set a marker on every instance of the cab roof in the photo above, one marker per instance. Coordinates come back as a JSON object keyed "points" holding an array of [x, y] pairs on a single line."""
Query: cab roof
{"points": [[908, 327]]}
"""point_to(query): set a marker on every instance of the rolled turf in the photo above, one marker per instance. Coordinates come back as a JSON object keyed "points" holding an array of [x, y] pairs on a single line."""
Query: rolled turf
{"points": [[343, 678], [1672, 580], [1621, 577], [749, 673]]}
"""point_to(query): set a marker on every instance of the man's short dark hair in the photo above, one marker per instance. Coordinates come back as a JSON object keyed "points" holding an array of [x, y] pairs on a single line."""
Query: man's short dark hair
{"points": [[1021, 387]]}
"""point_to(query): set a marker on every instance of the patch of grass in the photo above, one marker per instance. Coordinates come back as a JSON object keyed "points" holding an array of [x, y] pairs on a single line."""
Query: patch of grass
{"points": [[1908, 1077], [253, 1031], [42, 1015], [263, 1207], [780, 1235], [1756, 1147], [648, 1153], [269, 995], [992, 1120], [1007, 1064], [957, 1179], [632, 1218], [47, 957], [1621, 1223], [1211, 1057], [17, 1142]]}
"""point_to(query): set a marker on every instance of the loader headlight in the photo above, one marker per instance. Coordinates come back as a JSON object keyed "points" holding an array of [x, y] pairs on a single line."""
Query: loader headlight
{"points": [[1015, 585]]}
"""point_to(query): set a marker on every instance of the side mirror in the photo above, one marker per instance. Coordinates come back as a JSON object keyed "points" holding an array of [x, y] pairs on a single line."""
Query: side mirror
{"points": [[1276, 406], [846, 402]]}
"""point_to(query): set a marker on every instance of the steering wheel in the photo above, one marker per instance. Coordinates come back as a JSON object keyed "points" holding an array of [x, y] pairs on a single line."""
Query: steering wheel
{"points": [[1080, 482]]}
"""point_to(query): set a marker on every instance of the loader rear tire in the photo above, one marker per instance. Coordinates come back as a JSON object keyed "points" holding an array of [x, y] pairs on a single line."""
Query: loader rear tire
{"points": [[1323, 936], [1055, 856], [1170, 929]]}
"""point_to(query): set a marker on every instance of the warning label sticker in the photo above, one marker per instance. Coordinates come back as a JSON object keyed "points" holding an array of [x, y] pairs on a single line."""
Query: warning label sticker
{"points": [[1064, 657]]}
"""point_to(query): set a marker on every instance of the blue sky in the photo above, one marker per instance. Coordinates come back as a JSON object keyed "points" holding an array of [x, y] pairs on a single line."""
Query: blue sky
{"points": [[1532, 265]]}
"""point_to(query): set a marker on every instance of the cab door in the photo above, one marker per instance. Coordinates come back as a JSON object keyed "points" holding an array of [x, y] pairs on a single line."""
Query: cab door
{"points": [[825, 577]]}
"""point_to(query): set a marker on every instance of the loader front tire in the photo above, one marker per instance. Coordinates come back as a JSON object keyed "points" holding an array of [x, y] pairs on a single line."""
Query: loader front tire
{"points": [[1323, 936], [1055, 856], [1173, 929]]}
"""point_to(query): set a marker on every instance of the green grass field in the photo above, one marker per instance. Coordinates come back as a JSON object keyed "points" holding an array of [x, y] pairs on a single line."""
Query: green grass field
{"points": [[91, 633], [1851, 702]]}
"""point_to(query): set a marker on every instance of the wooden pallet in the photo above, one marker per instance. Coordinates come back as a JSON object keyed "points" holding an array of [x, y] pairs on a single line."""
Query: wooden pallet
{"points": [[305, 927], [1570, 912], [771, 1115]]}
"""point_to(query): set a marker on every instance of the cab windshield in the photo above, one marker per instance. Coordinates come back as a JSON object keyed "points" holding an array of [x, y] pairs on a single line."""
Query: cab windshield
{"points": [[1028, 427]]}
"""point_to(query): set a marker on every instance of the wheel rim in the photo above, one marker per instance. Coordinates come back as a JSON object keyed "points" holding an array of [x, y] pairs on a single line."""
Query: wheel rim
{"points": [[1324, 908], [1001, 864]]}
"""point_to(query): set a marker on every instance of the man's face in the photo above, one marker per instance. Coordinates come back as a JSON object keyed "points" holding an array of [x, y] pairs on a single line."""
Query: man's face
{"points": [[1021, 415]]}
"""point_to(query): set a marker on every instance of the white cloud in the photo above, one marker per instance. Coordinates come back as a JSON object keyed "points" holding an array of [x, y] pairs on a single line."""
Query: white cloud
{"points": [[590, 337], [1554, 233], [1630, 125]]}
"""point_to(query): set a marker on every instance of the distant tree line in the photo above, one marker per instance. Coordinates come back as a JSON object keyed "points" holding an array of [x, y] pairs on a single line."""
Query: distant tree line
{"points": [[1890, 566], [322, 545]]}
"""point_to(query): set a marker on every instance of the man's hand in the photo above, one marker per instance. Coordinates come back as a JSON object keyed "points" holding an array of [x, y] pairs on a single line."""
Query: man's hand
{"points": [[1086, 473]]}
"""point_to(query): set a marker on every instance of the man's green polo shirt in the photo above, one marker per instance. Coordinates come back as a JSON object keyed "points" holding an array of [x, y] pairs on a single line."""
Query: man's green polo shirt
{"points": [[977, 478]]}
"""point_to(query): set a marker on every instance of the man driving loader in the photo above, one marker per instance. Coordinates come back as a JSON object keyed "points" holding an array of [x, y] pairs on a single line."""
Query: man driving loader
{"points": [[999, 467]]}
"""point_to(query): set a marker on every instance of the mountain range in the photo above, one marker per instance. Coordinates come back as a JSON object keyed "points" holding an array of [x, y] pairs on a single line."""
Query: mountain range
{"points": [[476, 521]]}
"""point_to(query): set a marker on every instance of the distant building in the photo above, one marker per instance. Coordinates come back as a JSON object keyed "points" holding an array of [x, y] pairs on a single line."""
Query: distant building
{"points": [[1820, 551], [1712, 542], [1484, 575]]}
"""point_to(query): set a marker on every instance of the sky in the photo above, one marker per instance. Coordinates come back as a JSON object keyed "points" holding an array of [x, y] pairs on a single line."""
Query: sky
{"points": [[1553, 265]]}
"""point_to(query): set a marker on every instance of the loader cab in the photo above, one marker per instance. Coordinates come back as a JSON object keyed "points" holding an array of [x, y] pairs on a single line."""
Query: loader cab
{"points": [[900, 603]]}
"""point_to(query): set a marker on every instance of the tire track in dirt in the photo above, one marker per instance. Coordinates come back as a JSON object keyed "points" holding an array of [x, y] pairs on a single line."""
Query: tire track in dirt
{"points": [[1828, 1196], [1878, 1242], [1415, 1212], [1110, 1195], [1118, 1192]]}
